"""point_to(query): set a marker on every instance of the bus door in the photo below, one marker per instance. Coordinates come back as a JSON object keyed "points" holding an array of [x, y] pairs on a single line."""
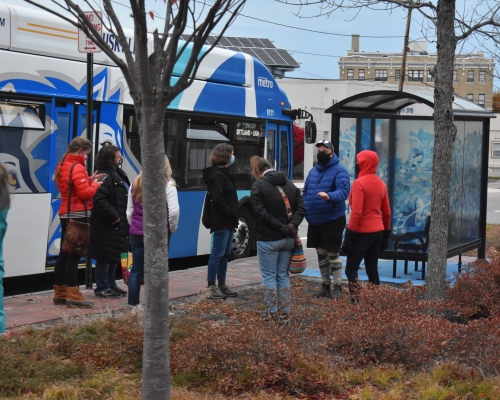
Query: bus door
{"points": [[277, 147]]}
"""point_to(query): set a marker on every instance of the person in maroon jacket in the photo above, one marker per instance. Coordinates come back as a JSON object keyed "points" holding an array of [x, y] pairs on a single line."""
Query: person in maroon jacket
{"points": [[84, 187], [369, 226]]}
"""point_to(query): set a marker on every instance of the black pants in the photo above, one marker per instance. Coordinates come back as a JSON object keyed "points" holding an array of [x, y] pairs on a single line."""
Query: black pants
{"points": [[366, 245], [66, 268]]}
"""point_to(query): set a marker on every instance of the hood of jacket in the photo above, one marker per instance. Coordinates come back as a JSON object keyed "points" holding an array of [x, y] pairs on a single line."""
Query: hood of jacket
{"points": [[332, 162], [367, 162], [275, 178], [207, 172]]}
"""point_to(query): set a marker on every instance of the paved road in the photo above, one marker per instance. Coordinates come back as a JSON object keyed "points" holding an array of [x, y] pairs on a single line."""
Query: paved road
{"points": [[492, 216], [493, 208]]}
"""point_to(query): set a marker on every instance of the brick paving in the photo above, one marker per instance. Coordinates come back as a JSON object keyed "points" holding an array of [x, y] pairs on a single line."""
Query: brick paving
{"points": [[37, 308]]}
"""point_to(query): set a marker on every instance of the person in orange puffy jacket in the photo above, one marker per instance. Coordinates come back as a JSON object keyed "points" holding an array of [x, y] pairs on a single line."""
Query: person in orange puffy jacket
{"points": [[83, 189]]}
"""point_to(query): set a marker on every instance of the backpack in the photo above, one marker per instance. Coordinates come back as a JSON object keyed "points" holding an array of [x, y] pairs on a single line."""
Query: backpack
{"points": [[207, 211]]}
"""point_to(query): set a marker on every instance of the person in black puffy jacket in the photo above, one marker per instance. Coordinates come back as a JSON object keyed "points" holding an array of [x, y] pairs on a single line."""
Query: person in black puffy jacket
{"points": [[108, 224], [277, 225], [224, 212]]}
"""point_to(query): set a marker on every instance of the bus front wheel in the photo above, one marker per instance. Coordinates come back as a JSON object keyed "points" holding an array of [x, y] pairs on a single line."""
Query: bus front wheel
{"points": [[243, 235]]}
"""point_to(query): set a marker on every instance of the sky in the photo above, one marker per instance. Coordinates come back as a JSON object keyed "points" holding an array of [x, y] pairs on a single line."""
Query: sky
{"points": [[316, 43]]}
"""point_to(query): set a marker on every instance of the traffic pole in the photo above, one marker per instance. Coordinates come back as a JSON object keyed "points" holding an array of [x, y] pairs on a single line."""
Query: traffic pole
{"points": [[90, 137]]}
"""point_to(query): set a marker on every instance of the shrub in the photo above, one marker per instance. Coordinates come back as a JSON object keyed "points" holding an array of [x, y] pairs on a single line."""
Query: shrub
{"points": [[386, 325], [475, 292]]}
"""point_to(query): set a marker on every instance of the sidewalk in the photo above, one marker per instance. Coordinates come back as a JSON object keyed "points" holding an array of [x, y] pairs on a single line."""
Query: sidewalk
{"points": [[37, 308]]}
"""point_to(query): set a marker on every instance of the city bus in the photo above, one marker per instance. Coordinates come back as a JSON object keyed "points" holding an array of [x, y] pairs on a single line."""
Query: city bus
{"points": [[43, 84]]}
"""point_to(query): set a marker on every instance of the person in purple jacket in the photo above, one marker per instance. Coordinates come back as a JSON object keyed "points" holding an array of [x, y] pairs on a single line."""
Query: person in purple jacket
{"points": [[136, 237]]}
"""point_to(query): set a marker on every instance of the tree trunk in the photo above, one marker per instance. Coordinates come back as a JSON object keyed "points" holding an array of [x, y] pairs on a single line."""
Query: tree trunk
{"points": [[445, 133], [156, 353]]}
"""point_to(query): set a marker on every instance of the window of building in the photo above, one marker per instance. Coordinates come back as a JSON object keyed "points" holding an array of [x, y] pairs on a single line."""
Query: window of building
{"points": [[361, 75], [397, 75], [480, 100], [470, 75], [455, 76], [495, 149], [430, 78], [482, 76], [350, 74], [470, 97], [381, 75], [416, 75]]}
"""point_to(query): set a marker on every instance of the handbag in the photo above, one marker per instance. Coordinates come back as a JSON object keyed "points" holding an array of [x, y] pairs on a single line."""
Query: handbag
{"points": [[298, 261], [77, 234], [126, 263]]}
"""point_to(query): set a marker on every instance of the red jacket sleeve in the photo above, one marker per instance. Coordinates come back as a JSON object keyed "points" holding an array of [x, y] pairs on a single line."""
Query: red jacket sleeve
{"points": [[386, 212], [356, 200], [85, 190]]}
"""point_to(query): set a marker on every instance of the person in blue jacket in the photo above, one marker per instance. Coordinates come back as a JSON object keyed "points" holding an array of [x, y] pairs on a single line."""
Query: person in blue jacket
{"points": [[4, 207], [325, 191]]}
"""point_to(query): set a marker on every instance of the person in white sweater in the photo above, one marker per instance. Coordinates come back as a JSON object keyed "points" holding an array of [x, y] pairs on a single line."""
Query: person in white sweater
{"points": [[135, 220]]}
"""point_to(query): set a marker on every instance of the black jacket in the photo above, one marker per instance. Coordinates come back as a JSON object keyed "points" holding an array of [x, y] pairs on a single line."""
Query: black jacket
{"points": [[225, 206], [108, 241], [269, 205]]}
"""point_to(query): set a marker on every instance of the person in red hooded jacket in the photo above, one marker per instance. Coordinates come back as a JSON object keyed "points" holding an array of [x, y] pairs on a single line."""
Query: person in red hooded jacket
{"points": [[369, 226], [83, 189]]}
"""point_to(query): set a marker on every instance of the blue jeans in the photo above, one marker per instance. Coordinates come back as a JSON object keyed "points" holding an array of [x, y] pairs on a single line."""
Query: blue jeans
{"points": [[274, 259], [221, 249], [104, 276], [137, 272]]}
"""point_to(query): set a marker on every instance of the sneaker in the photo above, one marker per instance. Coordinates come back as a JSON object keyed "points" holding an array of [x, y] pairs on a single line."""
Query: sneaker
{"points": [[108, 294], [213, 292], [228, 292], [337, 292], [120, 291]]}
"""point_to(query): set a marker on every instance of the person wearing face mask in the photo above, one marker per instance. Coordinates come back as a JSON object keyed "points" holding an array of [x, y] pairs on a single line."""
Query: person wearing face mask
{"points": [[108, 224], [326, 189], [224, 212]]}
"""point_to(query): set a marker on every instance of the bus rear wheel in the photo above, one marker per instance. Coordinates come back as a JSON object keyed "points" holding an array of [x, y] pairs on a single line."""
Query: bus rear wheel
{"points": [[243, 235]]}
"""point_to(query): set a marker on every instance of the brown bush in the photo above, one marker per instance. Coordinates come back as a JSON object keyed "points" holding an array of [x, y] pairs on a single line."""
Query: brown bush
{"points": [[386, 325], [246, 354], [475, 292], [479, 345]]}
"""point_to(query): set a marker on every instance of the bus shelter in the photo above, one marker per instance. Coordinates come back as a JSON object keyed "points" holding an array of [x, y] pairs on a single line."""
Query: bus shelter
{"points": [[404, 143]]}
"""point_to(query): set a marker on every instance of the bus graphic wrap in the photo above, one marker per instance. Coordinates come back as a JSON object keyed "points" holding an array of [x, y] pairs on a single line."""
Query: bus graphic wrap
{"points": [[234, 98]]}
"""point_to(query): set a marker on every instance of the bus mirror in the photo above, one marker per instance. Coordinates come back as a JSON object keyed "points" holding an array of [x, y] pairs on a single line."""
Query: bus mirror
{"points": [[310, 132]]}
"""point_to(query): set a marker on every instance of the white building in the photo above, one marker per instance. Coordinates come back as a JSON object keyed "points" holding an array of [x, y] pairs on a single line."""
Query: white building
{"points": [[315, 96], [494, 157]]}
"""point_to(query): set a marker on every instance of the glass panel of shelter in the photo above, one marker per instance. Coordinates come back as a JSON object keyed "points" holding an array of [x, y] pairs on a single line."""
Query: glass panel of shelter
{"points": [[405, 150]]}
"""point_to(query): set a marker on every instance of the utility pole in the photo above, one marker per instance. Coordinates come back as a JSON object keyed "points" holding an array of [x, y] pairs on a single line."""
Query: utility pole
{"points": [[405, 50]]}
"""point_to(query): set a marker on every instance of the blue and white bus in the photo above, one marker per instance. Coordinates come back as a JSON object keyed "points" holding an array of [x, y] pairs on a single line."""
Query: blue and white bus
{"points": [[43, 107]]}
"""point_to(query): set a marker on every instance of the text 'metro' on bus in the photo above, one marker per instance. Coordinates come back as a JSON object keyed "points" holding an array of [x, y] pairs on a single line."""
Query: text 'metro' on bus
{"points": [[43, 77]]}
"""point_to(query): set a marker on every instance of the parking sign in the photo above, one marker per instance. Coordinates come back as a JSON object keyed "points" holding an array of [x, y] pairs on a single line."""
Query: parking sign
{"points": [[85, 44]]}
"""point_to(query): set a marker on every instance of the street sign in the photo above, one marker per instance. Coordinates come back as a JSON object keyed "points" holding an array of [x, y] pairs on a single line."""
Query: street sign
{"points": [[85, 44]]}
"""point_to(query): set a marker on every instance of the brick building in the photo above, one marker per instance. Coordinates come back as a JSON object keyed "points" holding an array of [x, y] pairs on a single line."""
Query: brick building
{"points": [[472, 75]]}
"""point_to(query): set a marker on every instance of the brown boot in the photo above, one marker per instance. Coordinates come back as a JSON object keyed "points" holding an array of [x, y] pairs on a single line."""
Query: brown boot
{"points": [[74, 299], [59, 295]]}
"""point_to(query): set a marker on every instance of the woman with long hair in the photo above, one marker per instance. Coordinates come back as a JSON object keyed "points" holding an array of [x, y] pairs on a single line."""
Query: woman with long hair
{"points": [[83, 189], [224, 212], [4, 207], [136, 237], [108, 222], [279, 208]]}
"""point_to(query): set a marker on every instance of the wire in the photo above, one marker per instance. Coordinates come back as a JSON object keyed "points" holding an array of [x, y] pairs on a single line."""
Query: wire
{"points": [[314, 31]]}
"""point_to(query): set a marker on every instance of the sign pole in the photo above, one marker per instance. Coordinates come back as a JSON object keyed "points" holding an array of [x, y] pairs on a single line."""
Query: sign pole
{"points": [[86, 45], [90, 136]]}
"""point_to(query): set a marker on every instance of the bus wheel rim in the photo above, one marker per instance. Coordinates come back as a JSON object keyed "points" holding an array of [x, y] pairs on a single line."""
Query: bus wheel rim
{"points": [[241, 237]]}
